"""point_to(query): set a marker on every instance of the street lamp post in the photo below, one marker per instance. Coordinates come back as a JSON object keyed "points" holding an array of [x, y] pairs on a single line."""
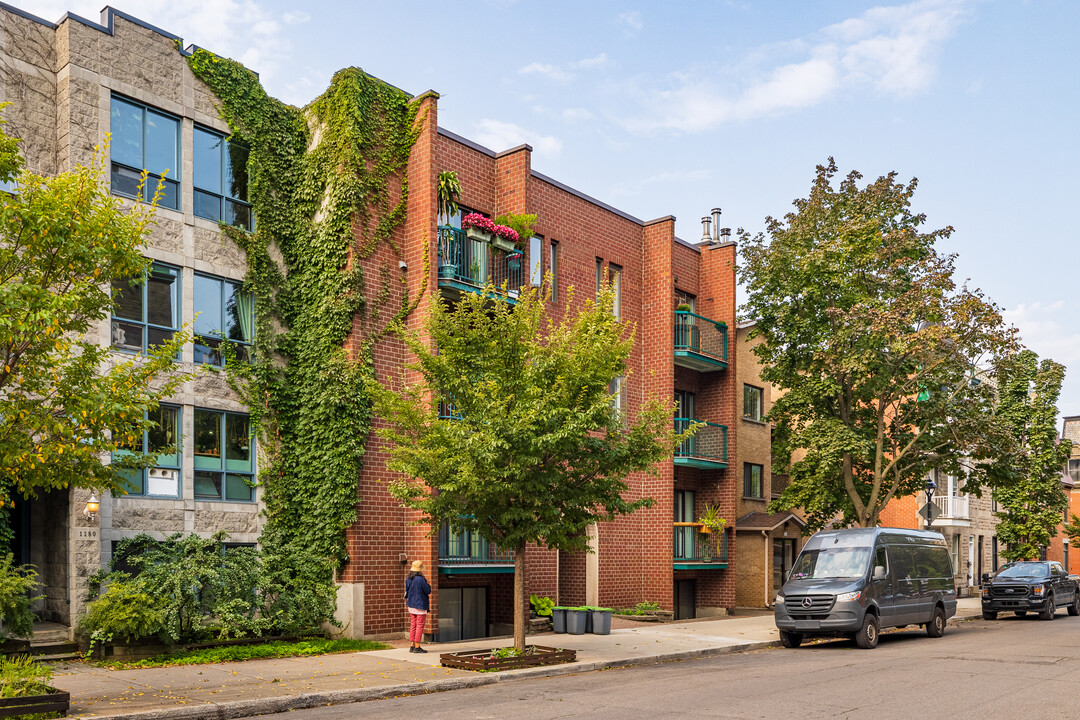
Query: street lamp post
{"points": [[930, 487]]}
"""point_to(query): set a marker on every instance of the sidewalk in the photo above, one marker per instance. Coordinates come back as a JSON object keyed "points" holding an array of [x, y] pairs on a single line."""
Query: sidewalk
{"points": [[244, 689]]}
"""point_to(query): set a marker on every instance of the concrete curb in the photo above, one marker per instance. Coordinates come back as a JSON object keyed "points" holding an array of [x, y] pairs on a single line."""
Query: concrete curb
{"points": [[266, 706]]}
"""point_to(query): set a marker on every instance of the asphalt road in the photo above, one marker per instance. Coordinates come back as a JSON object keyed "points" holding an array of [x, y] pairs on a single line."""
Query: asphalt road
{"points": [[1008, 668]]}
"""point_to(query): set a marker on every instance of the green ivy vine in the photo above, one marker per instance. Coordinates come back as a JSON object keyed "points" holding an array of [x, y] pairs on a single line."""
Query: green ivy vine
{"points": [[324, 184]]}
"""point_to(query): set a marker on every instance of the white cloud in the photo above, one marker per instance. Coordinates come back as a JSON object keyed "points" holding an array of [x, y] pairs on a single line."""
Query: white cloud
{"points": [[240, 29], [891, 49], [1051, 331], [631, 22], [574, 115], [552, 72], [499, 135], [594, 62]]}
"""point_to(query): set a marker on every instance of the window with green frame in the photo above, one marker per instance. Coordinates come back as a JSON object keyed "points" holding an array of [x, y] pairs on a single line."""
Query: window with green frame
{"points": [[144, 139], [146, 311], [221, 180], [162, 480], [224, 313], [224, 456]]}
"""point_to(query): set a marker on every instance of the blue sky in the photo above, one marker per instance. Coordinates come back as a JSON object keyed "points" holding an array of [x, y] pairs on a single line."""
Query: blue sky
{"points": [[677, 107]]}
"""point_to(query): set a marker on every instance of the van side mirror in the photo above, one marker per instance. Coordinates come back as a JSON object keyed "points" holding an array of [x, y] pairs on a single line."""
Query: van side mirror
{"points": [[985, 578], [879, 572]]}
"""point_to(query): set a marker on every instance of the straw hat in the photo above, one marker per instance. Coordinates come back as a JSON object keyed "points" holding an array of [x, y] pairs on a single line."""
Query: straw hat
{"points": [[417, 565]]}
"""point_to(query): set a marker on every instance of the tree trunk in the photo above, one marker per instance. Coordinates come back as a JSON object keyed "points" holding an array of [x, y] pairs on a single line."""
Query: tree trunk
{"points": [[519, 598]]}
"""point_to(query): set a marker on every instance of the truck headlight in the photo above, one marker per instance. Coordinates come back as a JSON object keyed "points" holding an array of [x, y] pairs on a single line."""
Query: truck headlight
{"points": [[1038, 589], [848, 597], [778, 600]]}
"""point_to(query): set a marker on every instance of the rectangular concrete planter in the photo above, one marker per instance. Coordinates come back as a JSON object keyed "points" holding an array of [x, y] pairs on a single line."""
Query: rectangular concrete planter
{"points": [[481, 659]]}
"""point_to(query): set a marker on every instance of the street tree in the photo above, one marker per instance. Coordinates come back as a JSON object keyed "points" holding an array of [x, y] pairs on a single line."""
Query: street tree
{"points": [[528, 446], [67, 402], [877, 354], [1028, 488]]}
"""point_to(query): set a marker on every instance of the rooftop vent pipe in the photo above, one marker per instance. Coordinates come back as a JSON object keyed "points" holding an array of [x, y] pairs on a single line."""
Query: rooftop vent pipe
{"points": [[716, 224], [725, 235], [706, 234]]}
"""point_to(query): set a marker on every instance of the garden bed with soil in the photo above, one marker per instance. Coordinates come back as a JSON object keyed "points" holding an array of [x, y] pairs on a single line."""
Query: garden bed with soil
{"points": [[49, 701], [488, 660]]}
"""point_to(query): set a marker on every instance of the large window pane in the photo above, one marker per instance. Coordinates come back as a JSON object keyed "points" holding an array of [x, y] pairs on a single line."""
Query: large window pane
{"points": [[162, 297], [127, 301], [238, 442], [238, 313], [127, 133], [162, 134], [237, 488], [207, 484], [207, 305], [207, 206], [165, 436], [125, 181], [237, 215], [236, 174], [208, 435], [208, 161]]}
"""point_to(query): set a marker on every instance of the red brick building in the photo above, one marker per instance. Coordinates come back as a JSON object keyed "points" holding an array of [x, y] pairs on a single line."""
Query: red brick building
{"points": [[681, 354]]}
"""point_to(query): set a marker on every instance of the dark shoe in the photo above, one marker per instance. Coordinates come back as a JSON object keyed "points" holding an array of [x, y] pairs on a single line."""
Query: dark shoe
{"points": [[412, 648], [420, 649]]}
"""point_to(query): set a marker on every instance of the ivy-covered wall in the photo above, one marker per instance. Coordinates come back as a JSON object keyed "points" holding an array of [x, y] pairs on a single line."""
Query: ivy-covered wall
{"points": [[328, 187]]}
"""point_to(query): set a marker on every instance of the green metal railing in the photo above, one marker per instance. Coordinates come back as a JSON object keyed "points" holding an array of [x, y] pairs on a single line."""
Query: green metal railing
{"points": [[698, 334], [708, 443], [461, 547], [692, 545], [474, 263]]}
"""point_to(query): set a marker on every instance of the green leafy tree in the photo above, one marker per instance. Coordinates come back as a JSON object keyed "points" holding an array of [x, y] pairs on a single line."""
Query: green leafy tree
{"points": [[65, 401], [533, 451], [1030, 498], [875, 350]]}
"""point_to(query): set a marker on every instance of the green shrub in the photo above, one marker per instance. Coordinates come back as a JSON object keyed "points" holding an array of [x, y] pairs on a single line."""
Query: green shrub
{"points": [[542, 606], [298, 590], [125, 610], [17, 585], [20, 676]]}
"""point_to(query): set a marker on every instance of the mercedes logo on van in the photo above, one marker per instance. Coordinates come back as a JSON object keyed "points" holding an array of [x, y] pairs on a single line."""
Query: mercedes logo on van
{"points": [[807, 602]]}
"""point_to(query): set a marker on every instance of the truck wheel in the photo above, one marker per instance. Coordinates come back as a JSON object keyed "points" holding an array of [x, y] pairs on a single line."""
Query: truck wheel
{"points": [[936, 627], [867, 636], [1048, 611], [790, 640], [988, 615], [1074, 606]]}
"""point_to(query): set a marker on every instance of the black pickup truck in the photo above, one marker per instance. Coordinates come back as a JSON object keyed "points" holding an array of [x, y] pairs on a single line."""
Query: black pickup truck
{"points": [[1030, 586]]}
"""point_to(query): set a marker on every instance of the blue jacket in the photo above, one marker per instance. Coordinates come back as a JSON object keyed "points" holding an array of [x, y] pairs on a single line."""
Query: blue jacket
{"points": [[417, 590]]}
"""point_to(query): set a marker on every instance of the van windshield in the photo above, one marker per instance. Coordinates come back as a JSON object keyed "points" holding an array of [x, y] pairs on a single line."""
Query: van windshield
{"points": [[833, 563]]}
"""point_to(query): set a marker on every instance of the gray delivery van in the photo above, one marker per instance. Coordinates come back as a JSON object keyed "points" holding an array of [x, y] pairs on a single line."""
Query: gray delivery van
{"points": [[857, 581]]}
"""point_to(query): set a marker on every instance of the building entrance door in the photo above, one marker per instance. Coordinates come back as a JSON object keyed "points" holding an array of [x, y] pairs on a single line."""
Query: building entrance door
{"points": [[462, 613], [783, 556], [685, 599]]}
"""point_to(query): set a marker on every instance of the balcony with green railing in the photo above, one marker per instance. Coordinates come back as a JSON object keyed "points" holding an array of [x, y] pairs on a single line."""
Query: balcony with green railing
{"points": [[465, 552], [700, 343], [467, 264], [695, 550], [708, 449]]}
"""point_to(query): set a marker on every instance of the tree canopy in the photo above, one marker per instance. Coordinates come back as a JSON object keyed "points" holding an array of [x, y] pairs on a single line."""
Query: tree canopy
{"points": [[67, 402], [511, 431], [877, 355], [1029, 494]]}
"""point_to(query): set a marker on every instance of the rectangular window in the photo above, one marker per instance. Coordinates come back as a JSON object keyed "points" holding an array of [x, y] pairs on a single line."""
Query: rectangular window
{"points": [[617, 390], [553, 259], [599, 275], [146, 311], [685, 298], [615, 278], [685, 537], [753, 486], [162, 480], [1074, 470], [753, 403], [224, 456], [145, 139], [536, 267], [224, 313], [221, 180]]}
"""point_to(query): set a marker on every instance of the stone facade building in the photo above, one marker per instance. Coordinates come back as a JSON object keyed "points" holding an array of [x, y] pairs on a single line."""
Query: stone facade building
{"points": [[74, 82]]}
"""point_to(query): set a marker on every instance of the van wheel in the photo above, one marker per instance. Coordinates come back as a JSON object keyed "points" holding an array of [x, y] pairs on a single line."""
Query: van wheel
{"points": [[1074, 606], [987, 615], [936, 627], [1048, 611], [867, 636], [790, 640]]}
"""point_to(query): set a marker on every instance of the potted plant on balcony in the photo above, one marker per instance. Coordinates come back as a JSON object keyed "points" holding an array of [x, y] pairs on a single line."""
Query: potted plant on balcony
{"points": [[522, 226], [448, 189], [711, 522]]}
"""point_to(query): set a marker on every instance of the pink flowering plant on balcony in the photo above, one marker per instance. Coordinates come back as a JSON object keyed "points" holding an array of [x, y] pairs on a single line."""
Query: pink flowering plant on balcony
{"points": [[479, 222]]}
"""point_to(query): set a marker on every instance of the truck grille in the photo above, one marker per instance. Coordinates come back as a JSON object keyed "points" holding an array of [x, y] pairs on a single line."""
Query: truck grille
{"points": [[1008, 591], [809, 604]]}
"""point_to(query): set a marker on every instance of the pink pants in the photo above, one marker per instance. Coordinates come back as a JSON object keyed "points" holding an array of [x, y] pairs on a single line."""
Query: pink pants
{"points": [[416, 627]]}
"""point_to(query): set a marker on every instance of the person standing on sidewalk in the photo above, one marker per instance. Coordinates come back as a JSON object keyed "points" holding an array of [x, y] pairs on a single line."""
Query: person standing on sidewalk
{"points": [[417, 590]]}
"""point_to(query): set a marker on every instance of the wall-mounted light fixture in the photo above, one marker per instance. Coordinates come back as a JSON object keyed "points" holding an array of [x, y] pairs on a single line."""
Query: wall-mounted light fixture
{"points": [[92, 507]]}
